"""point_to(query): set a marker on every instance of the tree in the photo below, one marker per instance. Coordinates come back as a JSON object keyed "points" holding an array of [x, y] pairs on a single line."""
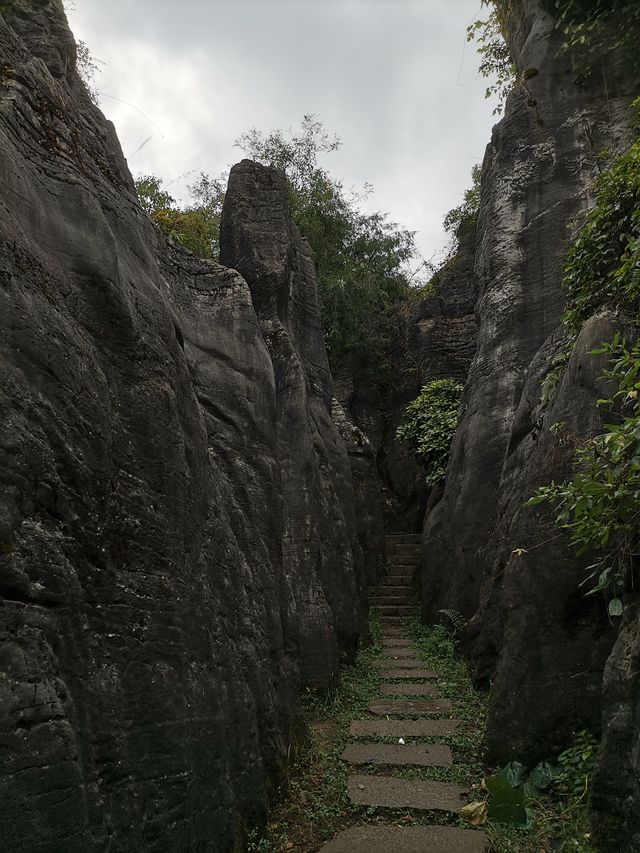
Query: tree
{"points": [[195, 226], [362, 260]]}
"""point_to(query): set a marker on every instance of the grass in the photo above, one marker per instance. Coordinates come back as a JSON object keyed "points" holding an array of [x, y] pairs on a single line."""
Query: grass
{"points": [[314, 805]]}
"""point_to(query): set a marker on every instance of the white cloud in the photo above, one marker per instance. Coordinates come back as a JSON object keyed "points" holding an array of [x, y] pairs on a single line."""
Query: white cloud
{"points": [[385, 75]]}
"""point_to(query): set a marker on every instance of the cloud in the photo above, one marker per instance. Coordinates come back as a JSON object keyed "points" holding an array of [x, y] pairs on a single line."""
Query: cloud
{"points": [[394, 79]]}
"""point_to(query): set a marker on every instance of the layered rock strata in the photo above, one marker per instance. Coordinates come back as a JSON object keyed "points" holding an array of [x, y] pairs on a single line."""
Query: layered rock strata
{"points": [[533, 634], [170, 471]]}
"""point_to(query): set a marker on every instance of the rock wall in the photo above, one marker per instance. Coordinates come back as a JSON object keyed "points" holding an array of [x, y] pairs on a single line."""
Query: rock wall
{"points": [[434, 338], [532, 633], [169, 470]]}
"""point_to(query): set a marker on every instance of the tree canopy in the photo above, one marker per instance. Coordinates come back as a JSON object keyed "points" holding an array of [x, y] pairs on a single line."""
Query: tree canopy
{"points": [[362, 259]]}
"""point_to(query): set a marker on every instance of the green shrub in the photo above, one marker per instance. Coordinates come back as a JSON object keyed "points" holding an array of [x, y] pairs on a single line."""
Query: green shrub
{"points": [[429, 425]]}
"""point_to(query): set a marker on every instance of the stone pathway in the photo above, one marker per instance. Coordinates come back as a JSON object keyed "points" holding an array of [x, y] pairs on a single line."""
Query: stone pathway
{"points": [[408, 695]]}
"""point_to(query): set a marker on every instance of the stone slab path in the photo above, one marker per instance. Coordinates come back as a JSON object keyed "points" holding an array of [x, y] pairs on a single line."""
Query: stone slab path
{"points": [[415, 839], [397, 755], [411, 689], [409, 707], [404, 675], [403, 728]]}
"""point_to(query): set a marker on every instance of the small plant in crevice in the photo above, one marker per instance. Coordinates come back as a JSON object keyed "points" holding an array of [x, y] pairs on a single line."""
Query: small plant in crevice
{"points": [[429, 425]]}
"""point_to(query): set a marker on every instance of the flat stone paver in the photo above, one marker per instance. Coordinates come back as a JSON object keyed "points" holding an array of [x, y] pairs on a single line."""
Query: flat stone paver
{"points": [[390, 792], [412, 674], [413, 839], [403, 728], [407, 707], [416, 755], [400, 654], [399, 663], [426, 689]]}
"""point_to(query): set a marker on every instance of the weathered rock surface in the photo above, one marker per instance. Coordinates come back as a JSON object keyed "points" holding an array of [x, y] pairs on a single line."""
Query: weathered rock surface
{"points": [[434, 339], [616, 782], [169, 468], [534, 634]]}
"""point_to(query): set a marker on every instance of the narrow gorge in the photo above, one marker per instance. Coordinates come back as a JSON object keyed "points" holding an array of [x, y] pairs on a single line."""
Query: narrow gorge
{"points": [[196, 508]]}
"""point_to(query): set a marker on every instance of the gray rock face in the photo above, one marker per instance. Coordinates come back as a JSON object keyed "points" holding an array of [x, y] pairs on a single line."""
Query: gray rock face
{"points": [[367, 490], [616, 782], [322, 558], [537, 177], [169, 468], [434, 339]]}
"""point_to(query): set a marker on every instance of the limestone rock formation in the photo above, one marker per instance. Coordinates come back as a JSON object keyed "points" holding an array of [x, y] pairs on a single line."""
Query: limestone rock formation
{"points": [[169, 468], [434, 338], [537, 177]]}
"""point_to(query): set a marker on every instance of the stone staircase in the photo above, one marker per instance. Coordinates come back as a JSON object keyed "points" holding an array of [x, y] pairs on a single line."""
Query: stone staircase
{"points": [[393, 598], [402, 716]]}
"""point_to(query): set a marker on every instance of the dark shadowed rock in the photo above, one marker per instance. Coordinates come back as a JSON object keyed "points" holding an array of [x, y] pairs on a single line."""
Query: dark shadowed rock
{"points": [[534, 632], [367, 491], [322, 558], [616, 781], [152, 577]]}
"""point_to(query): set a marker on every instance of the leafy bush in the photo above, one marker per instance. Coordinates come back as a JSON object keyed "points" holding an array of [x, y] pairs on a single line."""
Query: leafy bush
{"points": [[196, 226], [429, 425], [460, 220], [362, 260], [600, 506], [599, 33], [496, 63]]}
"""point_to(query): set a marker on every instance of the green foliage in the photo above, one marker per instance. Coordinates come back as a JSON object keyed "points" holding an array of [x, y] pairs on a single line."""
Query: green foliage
{"points": [[362, 260], [603, 266], [599, 34], [496, 63], [195, 226], [429, 424], [600, 506], [576, 765], [87, 67], [506, 802], [460, 220]]}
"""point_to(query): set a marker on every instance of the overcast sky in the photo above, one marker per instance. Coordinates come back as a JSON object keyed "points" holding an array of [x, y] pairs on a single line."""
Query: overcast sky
{"points": [[394, 79]]}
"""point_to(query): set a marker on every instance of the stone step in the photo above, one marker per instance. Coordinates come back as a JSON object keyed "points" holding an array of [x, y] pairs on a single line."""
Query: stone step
{"points": [[408, 707], [392, 793], [400, 587], [404, 559], [398, 663], [398, 755], [393, 621], [398, 609], [391, 632], [394, 538], [391, 601], [426, 689], [408, 839], [403, 728], [403, 582], [407, 549], [406, 674], [397, 643], [407, 652]]}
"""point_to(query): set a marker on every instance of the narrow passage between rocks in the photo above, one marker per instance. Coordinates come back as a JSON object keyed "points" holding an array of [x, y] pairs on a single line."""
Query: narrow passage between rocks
{"points": [[403, 711]]}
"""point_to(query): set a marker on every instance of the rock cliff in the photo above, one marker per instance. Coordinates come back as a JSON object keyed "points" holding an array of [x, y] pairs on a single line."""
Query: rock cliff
{"points": [[532, 634], [169, 471]]}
